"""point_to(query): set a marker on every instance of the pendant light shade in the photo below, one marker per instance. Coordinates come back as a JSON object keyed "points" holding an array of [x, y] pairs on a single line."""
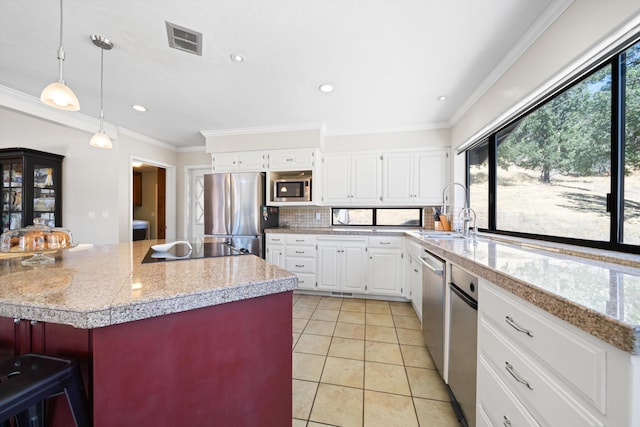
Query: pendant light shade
{"points": [[58, 94], [100, 139]]}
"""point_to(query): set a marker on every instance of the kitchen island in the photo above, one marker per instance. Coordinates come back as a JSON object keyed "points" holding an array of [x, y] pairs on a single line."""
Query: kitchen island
{"points": [[185, 342]]}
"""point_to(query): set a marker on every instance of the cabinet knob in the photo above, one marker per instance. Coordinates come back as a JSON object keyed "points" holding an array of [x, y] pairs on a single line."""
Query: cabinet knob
{"points": [[16, 320], [507, 421], [34, 322]]}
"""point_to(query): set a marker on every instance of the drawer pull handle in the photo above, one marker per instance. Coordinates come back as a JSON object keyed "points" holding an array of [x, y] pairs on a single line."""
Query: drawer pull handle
{"points": [[517, 327], [299, 252], [507, 421], [514, 374], [385, 243], [299, 266], [300, 240]]}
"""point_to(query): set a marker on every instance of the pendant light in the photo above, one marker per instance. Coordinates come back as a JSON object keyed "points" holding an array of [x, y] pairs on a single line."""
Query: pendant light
{"points": [[58, 94], [100, 139]]}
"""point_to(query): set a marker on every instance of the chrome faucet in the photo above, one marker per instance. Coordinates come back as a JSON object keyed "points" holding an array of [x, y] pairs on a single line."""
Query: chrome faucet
{"points": [[465, 216], [444, 196]]}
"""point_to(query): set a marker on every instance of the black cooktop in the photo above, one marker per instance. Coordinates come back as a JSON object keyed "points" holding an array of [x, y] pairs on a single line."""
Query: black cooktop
{"points": [[199, 250]]}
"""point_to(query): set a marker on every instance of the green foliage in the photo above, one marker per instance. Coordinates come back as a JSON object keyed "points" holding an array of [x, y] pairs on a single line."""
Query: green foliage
{"points": [[632, 109], [568, 134]]}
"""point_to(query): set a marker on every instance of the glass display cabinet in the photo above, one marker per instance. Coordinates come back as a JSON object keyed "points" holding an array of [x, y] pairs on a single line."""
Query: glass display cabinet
{"points": [[31, 188]]}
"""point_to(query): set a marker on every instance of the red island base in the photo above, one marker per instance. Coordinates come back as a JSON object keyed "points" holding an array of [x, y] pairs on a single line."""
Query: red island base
{"points": [[224, 365]]}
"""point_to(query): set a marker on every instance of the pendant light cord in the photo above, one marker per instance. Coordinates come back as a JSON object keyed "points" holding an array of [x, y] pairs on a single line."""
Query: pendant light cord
{"points": [[101, 86], [60, 49]]}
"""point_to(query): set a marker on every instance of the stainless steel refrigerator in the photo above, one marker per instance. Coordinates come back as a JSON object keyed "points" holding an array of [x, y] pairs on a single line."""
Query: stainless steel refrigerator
{"points": [[235, 211]]}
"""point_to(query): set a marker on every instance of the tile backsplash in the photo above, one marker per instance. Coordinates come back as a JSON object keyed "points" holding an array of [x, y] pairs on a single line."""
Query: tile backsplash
{"points": [[317, 216], [305, 217]]}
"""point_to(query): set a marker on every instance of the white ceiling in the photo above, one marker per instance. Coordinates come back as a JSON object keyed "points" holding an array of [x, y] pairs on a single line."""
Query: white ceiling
{"points": [[388, 59]]}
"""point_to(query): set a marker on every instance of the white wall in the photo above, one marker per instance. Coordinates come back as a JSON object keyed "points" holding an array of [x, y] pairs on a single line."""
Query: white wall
{"points": [[94, 180], [580, 27]]}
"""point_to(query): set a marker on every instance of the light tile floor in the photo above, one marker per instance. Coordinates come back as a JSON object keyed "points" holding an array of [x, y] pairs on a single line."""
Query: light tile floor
{"points": [[363, 363]]}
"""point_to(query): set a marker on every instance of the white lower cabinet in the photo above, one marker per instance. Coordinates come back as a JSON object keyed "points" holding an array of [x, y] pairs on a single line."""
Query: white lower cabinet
{"points": [[301, 259], [413, 276], [295, 253], [384, 272], [275, 250], [535, 369], [342, 264]]}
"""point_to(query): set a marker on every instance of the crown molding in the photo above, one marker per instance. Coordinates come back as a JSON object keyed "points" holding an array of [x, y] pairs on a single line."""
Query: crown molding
{"points": [[263, 129]]}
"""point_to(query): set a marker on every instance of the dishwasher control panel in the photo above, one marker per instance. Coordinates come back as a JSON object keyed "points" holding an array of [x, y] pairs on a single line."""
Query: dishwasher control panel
{"points": [[465, 281]]}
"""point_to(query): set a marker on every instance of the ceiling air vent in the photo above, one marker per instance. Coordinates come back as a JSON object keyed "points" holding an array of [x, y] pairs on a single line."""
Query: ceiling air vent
{"points": [[184, 39]]}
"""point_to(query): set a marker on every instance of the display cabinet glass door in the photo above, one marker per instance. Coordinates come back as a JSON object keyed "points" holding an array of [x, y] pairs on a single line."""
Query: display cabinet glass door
{"points": [[44, 194], [11, 195], [31, 188]]}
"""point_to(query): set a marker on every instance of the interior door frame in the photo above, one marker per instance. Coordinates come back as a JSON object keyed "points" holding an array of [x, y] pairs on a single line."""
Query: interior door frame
{"points": [[170, 195], [188, 205]]}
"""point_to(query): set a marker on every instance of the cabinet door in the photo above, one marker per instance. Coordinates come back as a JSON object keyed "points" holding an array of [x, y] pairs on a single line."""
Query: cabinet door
{"points": [[365, 179], [225, 162], [430, 176], [276, 255], [291, 160], [397, 172], [251, 161], [337, 179], [414, 284], [354, 264], [328, 266], [385, 266]]}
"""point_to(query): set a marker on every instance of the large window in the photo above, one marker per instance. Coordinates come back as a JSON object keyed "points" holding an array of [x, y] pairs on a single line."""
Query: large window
{"points": [[631, 212], [410, 217], [569, 169]]}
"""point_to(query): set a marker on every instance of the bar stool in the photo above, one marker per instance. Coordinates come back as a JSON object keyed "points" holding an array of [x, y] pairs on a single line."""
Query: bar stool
{"points": [[27, 380]]}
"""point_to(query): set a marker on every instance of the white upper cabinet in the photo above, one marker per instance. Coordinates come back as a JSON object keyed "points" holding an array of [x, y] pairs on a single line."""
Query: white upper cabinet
{"points": [[351, 179], [298, 159], [414, 178], [250, 161]]}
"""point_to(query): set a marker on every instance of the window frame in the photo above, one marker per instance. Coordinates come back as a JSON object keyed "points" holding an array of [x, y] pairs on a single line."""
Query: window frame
{"points": [[615, 198]]}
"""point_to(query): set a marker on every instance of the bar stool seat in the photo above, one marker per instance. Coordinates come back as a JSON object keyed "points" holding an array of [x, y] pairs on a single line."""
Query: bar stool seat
{"points": [[27, 380]]}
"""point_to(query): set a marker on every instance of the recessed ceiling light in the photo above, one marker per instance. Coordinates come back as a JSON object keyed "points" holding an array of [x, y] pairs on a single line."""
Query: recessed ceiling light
{"points": [[441, 98], [139, 107], [326, 88], [236, 57]]}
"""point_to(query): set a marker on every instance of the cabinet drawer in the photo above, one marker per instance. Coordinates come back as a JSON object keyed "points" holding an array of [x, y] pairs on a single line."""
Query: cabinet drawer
{"points": [[306, 280], [301, 251], [301, 240], [580, 363], [385, 242], [301, 265], [277, 239], [546, 399], [498, 403]]}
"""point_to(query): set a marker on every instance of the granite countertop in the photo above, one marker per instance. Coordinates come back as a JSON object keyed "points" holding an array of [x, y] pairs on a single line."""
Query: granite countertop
{"points": [[599, 297], [95, 286], [342, 231], [596, 291]]}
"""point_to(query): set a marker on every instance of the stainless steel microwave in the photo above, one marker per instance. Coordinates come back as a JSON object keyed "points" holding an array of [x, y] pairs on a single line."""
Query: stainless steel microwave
{"points": [[292, 189]]}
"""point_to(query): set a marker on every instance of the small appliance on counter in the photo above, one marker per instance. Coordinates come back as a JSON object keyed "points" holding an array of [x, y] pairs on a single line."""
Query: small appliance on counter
{"points": [[234, 211]]}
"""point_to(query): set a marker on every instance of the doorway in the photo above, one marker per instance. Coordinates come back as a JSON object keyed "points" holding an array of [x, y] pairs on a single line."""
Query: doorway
{"points": [[149, 201]]}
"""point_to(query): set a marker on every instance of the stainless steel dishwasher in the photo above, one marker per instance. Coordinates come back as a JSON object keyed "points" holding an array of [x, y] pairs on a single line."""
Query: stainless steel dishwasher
{"points": [[463, 325], [433, 298]]}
